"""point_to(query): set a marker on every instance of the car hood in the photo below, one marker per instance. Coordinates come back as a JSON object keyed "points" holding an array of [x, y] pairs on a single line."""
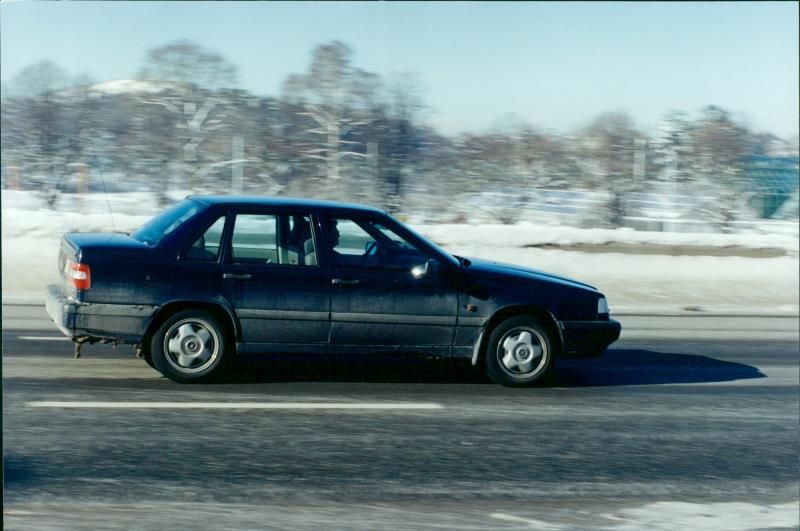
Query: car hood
{"points": [[479, 265]]}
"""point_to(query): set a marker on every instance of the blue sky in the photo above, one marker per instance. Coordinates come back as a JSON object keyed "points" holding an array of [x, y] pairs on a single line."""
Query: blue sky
{"points": [[554, 65]]}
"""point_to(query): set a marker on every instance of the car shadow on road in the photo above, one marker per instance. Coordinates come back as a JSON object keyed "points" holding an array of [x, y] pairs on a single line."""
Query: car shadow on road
{"points": [[616, 367], [647, 367], [352, 368]]}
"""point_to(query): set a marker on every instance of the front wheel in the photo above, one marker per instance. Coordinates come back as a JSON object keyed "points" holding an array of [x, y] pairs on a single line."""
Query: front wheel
{"points": [[519, 352], [189, 347]]}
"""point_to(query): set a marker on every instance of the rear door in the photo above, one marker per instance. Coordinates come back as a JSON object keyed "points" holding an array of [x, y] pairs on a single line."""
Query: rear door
{"points": [[272, 277]]}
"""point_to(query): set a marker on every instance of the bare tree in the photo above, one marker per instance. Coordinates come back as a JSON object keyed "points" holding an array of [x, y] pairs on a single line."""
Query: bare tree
{"points": [[672, 147], [39, 79], [193, 78], [718, 145], [609, 141], [338, 98], [186, 62], [34, 125], [401, 135]]}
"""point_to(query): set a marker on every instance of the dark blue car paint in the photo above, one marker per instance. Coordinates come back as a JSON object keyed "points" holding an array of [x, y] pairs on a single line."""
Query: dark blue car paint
{"points": [[283, 308]]}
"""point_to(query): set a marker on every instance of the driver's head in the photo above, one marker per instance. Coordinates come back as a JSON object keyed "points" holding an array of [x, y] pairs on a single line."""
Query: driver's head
{"points": [[332, 232]]}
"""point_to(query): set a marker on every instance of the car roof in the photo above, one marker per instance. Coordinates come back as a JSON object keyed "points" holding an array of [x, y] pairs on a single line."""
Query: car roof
{"points": [[285, 202]]}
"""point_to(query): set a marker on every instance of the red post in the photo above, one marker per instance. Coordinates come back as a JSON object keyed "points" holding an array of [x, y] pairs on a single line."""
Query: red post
{"points": [[13, 177], [83, 178]]}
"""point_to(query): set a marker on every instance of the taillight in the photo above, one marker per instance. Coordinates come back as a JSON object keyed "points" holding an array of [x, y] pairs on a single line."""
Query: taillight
{"points": [[79, 276]]}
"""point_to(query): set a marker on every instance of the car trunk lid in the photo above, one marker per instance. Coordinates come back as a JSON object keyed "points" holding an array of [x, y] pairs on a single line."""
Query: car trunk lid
{"points": [[78, 251]]}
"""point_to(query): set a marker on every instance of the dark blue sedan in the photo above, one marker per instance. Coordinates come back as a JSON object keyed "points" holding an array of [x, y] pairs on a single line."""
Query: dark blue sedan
{"points": [[213, 277]]}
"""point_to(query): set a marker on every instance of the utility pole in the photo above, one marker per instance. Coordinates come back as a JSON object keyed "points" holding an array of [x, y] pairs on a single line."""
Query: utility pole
{"points": [[372, 162], [639, 159], [237, 170]]}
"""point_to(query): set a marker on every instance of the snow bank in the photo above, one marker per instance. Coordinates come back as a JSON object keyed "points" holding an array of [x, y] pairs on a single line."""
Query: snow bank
{"points": [[726, 516], [632, 282], [530, 235], [122, 209]]}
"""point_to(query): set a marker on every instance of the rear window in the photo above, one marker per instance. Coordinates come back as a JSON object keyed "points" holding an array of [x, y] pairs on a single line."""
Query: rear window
{"points": [[157, 228]]}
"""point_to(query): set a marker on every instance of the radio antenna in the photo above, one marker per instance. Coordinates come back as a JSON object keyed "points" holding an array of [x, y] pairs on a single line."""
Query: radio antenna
{"points": [[105, 192]]}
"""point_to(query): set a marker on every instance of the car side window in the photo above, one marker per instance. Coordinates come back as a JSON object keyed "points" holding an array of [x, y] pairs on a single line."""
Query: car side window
{"points": [[364, 243], [273, 239], [206, 248], [352, 240], [255, 239]]}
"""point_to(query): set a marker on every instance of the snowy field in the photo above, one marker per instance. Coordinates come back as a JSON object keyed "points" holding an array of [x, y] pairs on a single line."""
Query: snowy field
{"points": [[752, 272]]}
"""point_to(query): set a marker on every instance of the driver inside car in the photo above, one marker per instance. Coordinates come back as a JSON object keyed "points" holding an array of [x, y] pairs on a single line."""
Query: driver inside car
{"points": [[367, 256]]}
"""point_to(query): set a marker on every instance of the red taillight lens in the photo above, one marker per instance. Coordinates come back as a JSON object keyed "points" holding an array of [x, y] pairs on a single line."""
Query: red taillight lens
{"points": [[79, 276]]}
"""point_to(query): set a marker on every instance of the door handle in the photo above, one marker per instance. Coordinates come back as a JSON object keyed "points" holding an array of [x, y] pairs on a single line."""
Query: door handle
{"points": [[345, 281], [237, 276]]}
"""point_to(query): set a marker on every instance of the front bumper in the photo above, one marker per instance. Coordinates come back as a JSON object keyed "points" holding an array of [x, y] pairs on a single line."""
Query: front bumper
{"points": [[588, 339], [119, 322]]}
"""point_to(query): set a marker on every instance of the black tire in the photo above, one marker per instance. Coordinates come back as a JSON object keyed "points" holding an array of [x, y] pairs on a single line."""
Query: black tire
{"points": [[519, 352], [148, 359], [190, 346]]}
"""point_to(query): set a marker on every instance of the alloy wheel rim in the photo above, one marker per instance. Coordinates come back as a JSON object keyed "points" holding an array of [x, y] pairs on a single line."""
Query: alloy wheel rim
{"points": [[191, 345], [522, 352]]}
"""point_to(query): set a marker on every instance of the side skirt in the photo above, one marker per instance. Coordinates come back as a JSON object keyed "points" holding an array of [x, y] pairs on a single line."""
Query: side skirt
{"points": [[320, 348]]}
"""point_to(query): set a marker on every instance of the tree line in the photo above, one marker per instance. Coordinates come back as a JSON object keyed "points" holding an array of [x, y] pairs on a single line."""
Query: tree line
{"points": [[341, 132]]}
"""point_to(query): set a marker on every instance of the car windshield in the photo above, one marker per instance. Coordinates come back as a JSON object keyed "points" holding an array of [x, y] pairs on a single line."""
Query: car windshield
{"points": [[157, 228]]}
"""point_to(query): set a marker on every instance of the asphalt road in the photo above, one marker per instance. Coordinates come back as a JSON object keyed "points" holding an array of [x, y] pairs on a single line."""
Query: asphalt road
{"points": [[658, 434]]}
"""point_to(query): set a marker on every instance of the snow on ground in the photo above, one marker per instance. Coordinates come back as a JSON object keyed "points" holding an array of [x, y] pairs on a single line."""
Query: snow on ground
{"points": [[633, 282], [710, 517], [528, 235]]}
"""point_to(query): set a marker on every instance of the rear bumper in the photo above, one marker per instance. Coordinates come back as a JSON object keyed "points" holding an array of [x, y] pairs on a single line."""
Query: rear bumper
{"points": [[588, 339], [123, 322]]}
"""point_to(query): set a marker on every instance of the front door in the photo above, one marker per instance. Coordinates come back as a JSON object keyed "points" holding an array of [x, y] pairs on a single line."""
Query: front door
{"points": [[273, 279], [385, 291]]}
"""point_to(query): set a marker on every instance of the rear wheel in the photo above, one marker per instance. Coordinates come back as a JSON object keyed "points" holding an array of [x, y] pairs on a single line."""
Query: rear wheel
{"points": [[519, 352], [189, 346]]}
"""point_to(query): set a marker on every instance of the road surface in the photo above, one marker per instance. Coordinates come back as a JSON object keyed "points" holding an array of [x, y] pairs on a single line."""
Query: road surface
{"points": [[661, 433]]}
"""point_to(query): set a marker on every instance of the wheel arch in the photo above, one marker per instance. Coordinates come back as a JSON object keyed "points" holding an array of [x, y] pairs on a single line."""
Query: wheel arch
{"points": [[217, 309], [537, 312]]}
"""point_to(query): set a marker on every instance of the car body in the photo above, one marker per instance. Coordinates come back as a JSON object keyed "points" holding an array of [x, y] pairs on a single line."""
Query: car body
{"points": [[217, 276]]}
